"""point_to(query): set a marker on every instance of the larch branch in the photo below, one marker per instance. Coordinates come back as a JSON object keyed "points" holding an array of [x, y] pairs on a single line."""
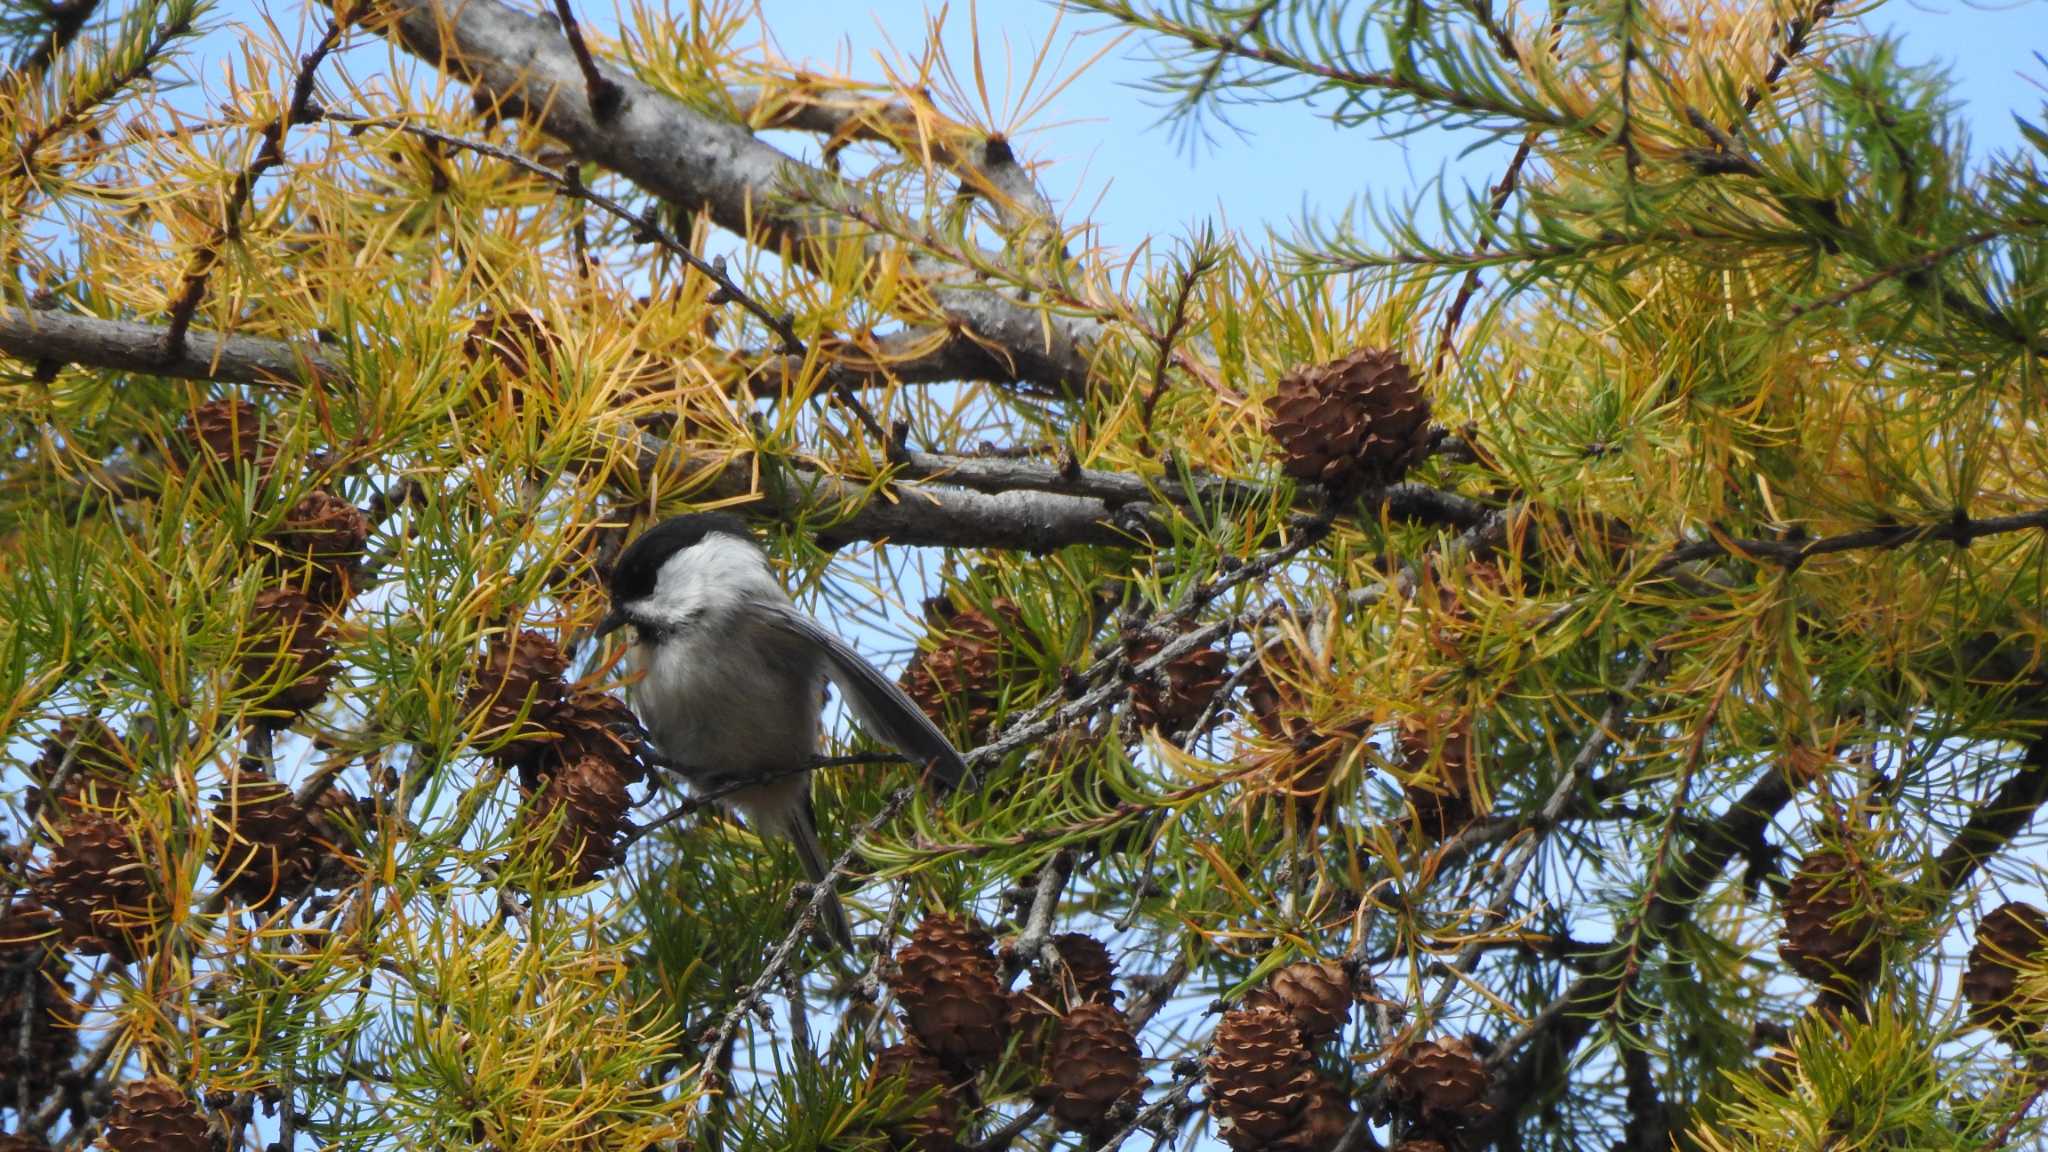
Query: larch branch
{"points": [[708, 164]]}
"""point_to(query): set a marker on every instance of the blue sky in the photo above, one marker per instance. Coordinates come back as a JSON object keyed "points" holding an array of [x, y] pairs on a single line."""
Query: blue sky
{"points": [[1104, 132], [1110, 159]]}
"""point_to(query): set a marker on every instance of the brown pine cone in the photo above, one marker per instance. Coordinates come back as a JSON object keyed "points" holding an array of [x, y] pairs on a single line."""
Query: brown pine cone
{"points": [[9, 1142], [949, 987], [27, 929], [1436, 755], [260, 839], [1440, 1081], [1095, 1065], [1358, 420], [1275, 706], [155, 1115], [333, 825], [592, 798], [321, 546], [1831, 925], [961, 679], [1260, 1077], [99, 887], [1308, 756], [1172, 698], [222, 433], [934, 1127], [1031, 1019], [1087, 971], [521, 673], [593, 724], [288, 659], [28, 980], [1421, 1146], [1323, 1122], [510, 342], [95, 766], [1316, 994], [2012, 936]]}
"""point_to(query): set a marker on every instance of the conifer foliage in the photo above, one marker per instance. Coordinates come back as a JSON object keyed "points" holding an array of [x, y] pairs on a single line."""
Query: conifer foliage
{"points": [[1565, 671]]}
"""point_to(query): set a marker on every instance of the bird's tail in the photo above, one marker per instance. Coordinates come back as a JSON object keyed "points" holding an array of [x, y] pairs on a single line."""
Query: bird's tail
{"points": [[803, 832]]}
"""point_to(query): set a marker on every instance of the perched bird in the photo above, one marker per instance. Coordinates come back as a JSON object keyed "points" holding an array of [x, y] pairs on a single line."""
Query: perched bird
{"points": [[730, 680]]}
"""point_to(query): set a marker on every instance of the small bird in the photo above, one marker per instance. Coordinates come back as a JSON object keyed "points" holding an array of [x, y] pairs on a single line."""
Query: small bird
{"points": [[730, 680]]}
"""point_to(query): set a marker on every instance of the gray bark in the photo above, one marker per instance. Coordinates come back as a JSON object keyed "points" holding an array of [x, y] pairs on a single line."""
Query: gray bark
{"points": [[125, 346], [938, 499], [703, 162]]}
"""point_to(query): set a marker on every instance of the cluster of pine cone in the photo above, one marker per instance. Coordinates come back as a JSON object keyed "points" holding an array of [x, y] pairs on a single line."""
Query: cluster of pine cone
{"points": [[1265, 1090], [95, 894], [98, 885], [313, 562], [576, 749], [266, 846], [1062, 1034], [150, 1115]]}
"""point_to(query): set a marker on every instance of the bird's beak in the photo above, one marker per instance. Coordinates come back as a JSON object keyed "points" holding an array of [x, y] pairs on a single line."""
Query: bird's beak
{"points": [[612, 622]]}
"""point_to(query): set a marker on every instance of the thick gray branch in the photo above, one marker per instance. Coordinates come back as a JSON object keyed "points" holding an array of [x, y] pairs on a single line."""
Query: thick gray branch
{"points": [[938, 515], [1407, 503], [928, 514], [125, 346], [705, 163], [906, 356], [956, 501]]}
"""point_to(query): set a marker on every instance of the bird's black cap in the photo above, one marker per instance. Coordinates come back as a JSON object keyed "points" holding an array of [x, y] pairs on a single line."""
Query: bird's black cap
{"points": [[634, 575]]}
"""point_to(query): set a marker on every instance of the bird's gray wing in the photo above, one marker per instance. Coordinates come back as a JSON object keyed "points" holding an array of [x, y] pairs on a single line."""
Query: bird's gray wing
{"points": [[881, 707]]}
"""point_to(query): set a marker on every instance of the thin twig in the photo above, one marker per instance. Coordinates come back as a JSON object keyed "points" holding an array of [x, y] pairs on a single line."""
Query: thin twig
{"points": [[299, 109], [1795, 43], [1176, 322], [604, 95], [1957, 529], [2012, 1122], [1919, 264], [1034, 944], [717, 1061], [648, 229], [705, 799], [1213, 70], [1447, 328]]}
